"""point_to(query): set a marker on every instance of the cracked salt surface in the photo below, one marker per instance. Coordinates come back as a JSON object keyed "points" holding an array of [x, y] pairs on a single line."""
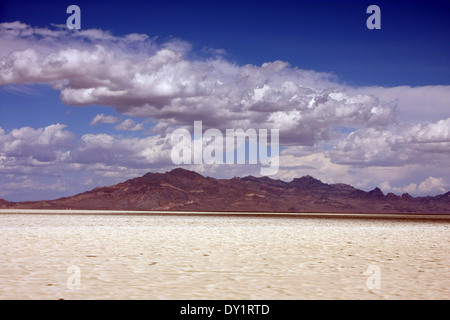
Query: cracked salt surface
{"points": [[221, 257]]}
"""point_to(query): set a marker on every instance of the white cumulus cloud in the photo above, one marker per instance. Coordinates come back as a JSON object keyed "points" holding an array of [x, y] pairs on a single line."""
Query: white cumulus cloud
{"points": [[101, 118]]}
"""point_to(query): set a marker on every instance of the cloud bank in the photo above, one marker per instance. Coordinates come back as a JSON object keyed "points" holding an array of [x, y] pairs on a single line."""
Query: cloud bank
{"points": [[356, 134]]}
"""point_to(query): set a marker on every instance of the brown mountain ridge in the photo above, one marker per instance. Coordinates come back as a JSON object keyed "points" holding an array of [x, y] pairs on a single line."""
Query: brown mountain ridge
{"points": [[184, 190]]}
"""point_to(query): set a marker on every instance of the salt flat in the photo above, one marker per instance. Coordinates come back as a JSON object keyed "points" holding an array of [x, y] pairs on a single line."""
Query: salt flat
{"points": [[123, 256]]}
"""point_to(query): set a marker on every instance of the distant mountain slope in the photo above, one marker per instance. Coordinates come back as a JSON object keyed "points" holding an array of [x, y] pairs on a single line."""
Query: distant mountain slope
{"points": [[183, 190], [3, 203]]}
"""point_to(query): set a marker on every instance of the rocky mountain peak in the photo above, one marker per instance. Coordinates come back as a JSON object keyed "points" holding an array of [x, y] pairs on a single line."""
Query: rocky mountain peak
{"points": [[376, 193], [183, 173], [307, 182]]}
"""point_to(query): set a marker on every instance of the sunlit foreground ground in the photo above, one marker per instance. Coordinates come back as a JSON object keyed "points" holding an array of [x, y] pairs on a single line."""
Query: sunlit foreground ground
{"points": [[141, 256]]}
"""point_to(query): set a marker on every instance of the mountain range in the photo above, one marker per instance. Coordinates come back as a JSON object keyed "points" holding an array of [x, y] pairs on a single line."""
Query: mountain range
{"points": [[184, 190]]}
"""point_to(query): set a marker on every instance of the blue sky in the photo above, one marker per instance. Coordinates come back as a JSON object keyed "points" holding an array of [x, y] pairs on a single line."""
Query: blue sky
{"points": [[412, 48], [401, 69]]}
